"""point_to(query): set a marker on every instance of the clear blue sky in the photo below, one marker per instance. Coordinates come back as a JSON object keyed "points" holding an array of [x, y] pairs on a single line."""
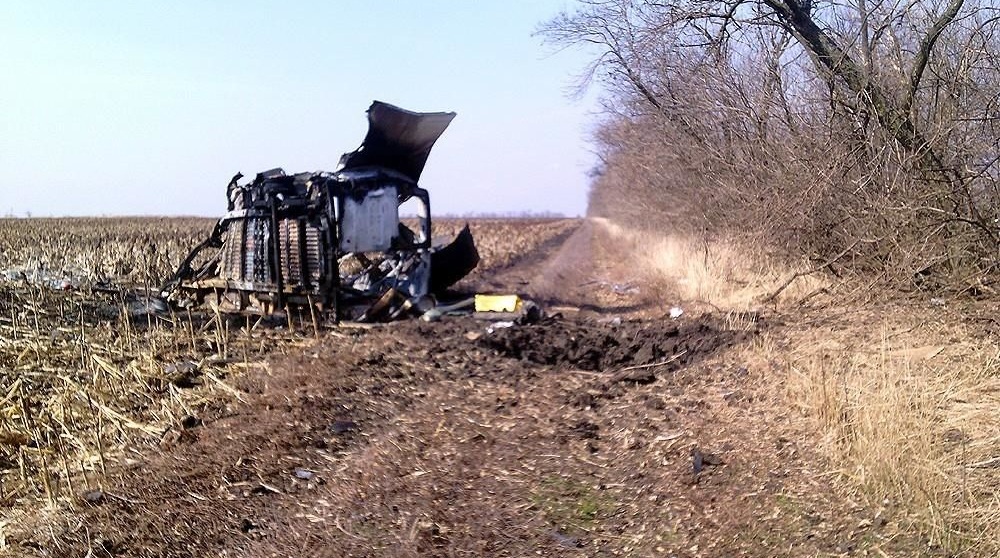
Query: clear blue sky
{"points": [[128, 108]]}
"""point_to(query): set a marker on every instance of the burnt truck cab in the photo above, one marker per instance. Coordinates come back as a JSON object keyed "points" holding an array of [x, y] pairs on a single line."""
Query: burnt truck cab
{"points": [[332, 241]]}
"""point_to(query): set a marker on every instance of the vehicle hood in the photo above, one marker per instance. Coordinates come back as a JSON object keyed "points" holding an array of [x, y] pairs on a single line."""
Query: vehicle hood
{"points": [[397, 139]]}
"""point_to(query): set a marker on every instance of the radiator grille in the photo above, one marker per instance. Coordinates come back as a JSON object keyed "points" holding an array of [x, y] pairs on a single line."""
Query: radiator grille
{"points": [[246, 252], [299, 269]]}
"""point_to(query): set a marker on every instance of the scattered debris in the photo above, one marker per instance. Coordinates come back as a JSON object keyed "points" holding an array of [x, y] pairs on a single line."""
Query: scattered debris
{"points": [[247, 526], [343, 427], [182, 374], [676, 312], [142, 305], [94, 497], [616, 288], [699, 460], [624, 288], [498, 303], [525, 312], [732, 396], [304, 474], [566, 540], [64, 280], [332, 243], [499, 325], [264, 488], [435, 313]]}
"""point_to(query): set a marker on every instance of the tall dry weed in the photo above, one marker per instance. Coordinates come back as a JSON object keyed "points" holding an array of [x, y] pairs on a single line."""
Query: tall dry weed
{"points": [[905, 403], [723, 273], [911, 428]]}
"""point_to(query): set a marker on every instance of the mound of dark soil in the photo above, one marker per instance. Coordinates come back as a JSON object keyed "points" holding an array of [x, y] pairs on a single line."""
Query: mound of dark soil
{"points": [[603, 346]]}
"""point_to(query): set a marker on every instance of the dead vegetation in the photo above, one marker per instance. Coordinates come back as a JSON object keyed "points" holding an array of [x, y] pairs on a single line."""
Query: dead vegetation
{"points": [[691, 437], [807, 130], [93, 368], [902, 392], [75, 252], [86, 374], [836, 162], [425, 441], [907, 404]]}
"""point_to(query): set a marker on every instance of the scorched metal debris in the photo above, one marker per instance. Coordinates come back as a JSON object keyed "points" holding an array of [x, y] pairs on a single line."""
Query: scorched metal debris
{"points": [[333, 242]]}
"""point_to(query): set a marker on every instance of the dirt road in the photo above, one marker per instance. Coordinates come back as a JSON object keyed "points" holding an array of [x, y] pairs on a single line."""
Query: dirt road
{"points": [[606, 429]]}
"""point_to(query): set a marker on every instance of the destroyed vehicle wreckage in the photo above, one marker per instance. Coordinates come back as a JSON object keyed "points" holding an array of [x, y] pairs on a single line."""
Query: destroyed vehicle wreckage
{"points": [[332, 242]]}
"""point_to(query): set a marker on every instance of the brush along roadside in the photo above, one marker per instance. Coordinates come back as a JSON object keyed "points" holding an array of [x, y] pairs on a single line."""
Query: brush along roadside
{"points": [[717, 274], [900, 392]]}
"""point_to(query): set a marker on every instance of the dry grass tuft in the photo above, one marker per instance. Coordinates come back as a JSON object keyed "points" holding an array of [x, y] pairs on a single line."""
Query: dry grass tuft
{"points": [[719, 273], [904, 402], [915, 428]]}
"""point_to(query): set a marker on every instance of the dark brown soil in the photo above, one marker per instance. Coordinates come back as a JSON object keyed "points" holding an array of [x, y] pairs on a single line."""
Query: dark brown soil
{"points": [[588, 345]]}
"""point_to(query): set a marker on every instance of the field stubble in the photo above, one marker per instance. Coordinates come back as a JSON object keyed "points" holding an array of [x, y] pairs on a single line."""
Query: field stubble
{"points": [[903, 393], [88, 374]]}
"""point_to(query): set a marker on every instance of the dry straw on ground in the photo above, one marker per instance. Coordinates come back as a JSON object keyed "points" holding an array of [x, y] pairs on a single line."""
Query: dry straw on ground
{"points": [[87, 371], [907, 423], [902, 394]]}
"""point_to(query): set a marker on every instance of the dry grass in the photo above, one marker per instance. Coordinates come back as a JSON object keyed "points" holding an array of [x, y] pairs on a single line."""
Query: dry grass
{"points": [[83, 377], [718, 273], [903, 399], [132, 250], [86, 373], [910, 425]]}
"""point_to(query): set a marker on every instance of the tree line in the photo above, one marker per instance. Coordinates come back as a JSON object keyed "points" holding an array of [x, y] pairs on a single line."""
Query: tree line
{"points": [[862, 132]]}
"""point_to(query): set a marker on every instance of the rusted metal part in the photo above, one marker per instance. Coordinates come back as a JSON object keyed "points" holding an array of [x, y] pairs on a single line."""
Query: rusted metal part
{"points": [[331, 240]]}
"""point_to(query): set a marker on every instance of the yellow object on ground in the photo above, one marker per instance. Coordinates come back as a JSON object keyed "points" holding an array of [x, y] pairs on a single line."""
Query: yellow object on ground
{"points": [[497, 303]]}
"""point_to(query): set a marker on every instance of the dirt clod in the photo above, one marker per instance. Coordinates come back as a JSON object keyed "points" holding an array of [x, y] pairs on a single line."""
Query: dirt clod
{"points": [[94, 497], [603, 346]]}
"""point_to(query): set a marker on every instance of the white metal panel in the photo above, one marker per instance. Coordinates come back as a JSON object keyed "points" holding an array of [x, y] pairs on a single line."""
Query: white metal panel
{"points": [[369, 225]]}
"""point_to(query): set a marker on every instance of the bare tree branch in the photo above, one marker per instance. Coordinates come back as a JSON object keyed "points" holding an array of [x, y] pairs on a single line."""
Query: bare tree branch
{"points": [[926, 47]]}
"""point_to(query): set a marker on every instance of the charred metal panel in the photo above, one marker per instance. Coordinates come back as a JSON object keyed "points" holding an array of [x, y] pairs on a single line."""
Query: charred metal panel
{"points": [[244, 256], [256, 265], [300, 253], [398, 139], [232, 251], [291, 260], [314, 249], [452, 262]]}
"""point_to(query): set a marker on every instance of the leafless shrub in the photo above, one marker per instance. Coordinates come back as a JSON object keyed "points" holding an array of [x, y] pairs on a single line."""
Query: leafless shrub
{"points": [[808, 129]]}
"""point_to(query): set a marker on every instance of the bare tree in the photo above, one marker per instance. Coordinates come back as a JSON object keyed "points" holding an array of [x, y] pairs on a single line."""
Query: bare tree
{"points": [[820, 126]]}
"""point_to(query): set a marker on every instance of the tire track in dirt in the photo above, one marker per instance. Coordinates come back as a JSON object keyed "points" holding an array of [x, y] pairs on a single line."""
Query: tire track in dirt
{"points": [[517, 274]]}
